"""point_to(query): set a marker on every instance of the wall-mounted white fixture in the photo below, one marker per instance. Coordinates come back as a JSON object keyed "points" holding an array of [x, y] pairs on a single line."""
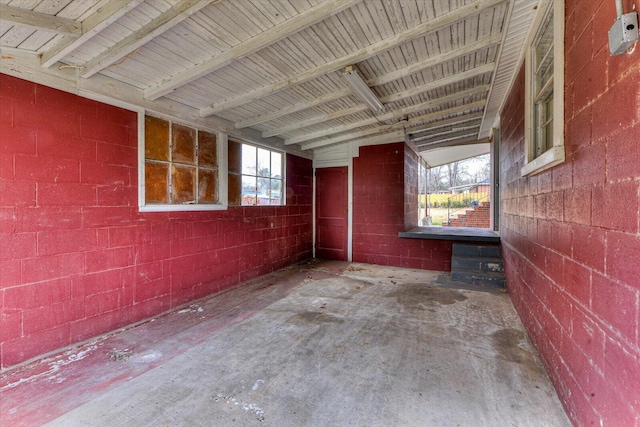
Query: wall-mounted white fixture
{"points": [[624, 31], [359, 87]]}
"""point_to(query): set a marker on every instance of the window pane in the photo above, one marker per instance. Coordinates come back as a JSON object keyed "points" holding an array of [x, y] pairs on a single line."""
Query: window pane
{"points": [[183, 184], [207, 155], [248, 159], [183, 144], [156, 139], [263, 162], [276, 165], [263, 186], [235, 157], [249, 194], [156, 177], [207, 186], [234, 192], [276, 192]]}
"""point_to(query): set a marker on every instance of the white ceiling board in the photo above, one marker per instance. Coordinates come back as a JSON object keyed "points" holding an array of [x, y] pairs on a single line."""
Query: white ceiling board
{"points": [[443, 156]]}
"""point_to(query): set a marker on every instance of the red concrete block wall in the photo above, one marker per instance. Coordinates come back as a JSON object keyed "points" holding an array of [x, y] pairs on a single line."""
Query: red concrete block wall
{"points": [[571, 235], [380, 200], [77, 259]]}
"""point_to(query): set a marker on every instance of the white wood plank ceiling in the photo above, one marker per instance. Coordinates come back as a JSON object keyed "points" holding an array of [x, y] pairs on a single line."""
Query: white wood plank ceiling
{"points": [[440, 67]]}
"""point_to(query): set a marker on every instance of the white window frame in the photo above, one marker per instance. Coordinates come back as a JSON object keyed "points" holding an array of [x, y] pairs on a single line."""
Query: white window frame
{"points": [[283, 171], [221, 147], [555, 154]]}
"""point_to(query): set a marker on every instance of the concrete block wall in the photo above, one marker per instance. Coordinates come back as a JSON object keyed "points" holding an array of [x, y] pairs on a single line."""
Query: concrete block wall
{"points": [[571, 235], [382, 195], [77, 259]]}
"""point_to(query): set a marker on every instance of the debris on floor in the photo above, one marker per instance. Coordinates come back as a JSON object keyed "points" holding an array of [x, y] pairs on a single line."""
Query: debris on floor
{"points": [[193, 308], [120, 355]]}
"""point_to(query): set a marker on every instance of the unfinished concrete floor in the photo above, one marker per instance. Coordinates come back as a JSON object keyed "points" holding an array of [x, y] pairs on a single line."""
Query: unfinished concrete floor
{"points": [[318, 344]]}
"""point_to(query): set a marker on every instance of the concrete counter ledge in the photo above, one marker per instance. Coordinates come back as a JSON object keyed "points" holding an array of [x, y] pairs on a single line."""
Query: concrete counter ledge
{"points": [[464, 234]]}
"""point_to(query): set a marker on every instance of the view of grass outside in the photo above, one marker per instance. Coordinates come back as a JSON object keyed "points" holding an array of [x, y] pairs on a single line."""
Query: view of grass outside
{"points": [[448, 189]]}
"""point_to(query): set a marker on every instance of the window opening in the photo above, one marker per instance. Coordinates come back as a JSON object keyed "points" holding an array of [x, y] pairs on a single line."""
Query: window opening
{"points": [[257, 175], [180, 165], [544, 91]]}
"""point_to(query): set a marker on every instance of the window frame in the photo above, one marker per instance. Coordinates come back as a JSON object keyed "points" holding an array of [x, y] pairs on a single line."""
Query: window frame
{"points": [[283, 172], [554, 155], [221, 152]]}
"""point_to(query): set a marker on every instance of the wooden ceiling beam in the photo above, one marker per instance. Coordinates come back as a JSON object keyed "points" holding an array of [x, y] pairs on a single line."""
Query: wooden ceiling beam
{"points": [[451, 143], [91, 26], [317, 119], [268, 37], [412, 122], [446, 130], [157, 26], [467, 133], [294, 108], [394, 115], [40, 21], [403, 72], [441, 123], [437, 59], [435, 84], [359, 55]]}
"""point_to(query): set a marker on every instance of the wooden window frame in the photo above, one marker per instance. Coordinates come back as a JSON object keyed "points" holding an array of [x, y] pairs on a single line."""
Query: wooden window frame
{"points": [[536, 162], [240, 174], [221, 153]]}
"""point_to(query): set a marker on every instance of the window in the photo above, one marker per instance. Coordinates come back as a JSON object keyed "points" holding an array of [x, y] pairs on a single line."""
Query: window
{"points": [[181, 168], [422, 193], [255, 175], [544, 90]]}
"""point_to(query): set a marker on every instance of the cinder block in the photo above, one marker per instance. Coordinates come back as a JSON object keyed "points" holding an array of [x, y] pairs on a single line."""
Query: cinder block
{"points": [[479, 278], [18, 193], [615, 206], [53, 242], [477, 264], [18, 245], [622, 369], [51, 267], [109, 132], [11, 273], [24, 348], [15, 88], [621, 98], [619, 249], [119, 116], [102, 216], [53, 99], [11, 325], [98, 304], [119, 155], [49, 316], [104, 174], [93, 326], [29, 115], [577, 205], [107, 259], [616, 305], [461, 249], [66, 194], [623, 154]]}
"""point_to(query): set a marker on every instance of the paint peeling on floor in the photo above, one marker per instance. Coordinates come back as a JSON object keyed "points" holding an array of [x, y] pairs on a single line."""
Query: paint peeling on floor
{"points": [[51, 374]]}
